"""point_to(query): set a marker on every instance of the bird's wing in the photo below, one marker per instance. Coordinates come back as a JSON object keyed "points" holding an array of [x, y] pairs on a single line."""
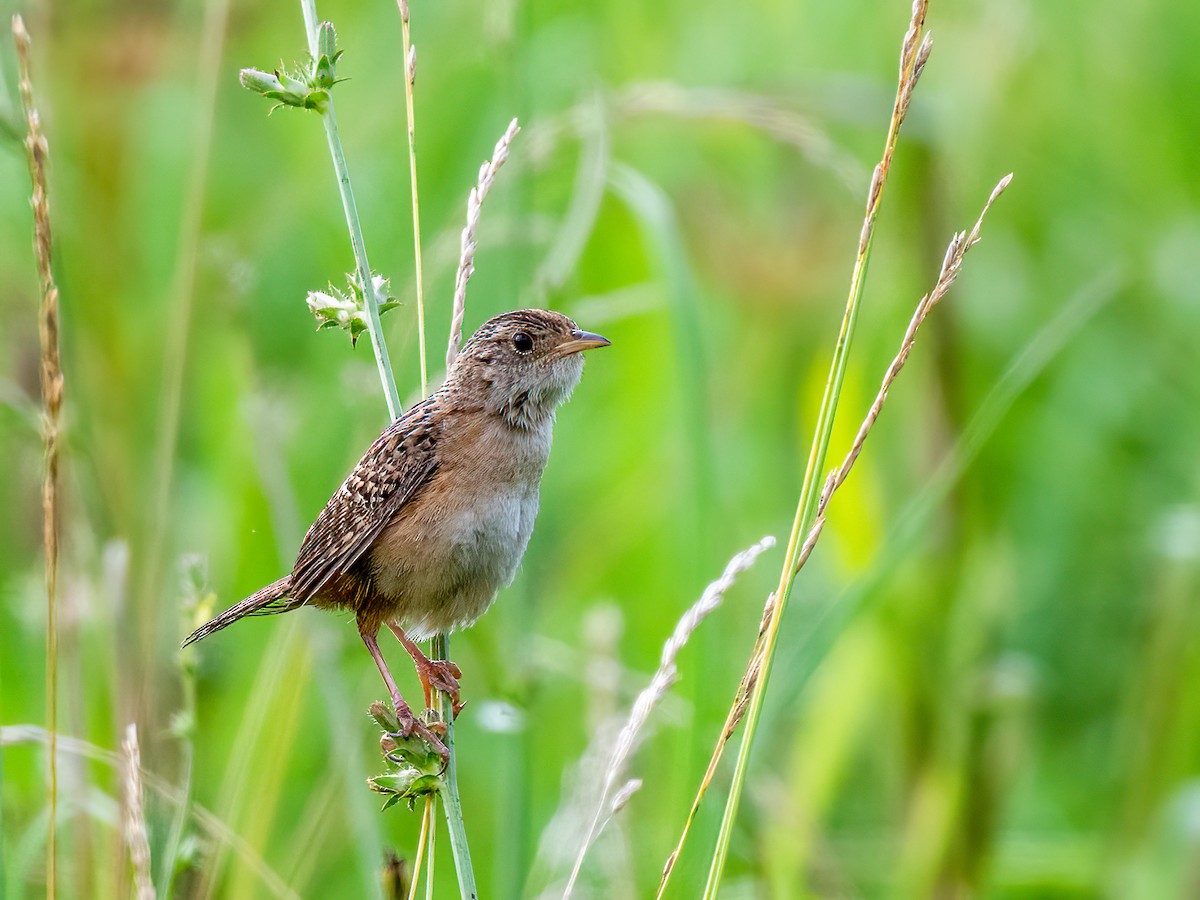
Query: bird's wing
{"points": [[391, 472]]}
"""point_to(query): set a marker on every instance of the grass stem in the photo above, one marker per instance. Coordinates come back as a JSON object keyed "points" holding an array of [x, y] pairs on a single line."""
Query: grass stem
{"points": [[441, 643], [178, 330], [426, 822], [410, 77], [449, 793], [453, 804], [37, 153], [362, 266], [137, 838], [431, 863], [913, 55]]}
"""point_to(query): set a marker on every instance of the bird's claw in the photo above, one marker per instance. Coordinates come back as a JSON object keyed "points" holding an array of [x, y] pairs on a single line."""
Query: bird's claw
{"points": [[442, 675], [410, 725]]}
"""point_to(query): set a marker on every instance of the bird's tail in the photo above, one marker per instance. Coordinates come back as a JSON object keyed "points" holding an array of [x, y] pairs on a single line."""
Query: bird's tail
{"points": [[263, 602]]}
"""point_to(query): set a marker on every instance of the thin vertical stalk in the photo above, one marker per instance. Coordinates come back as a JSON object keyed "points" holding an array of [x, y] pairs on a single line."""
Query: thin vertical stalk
{"points": [[430, 865], [182, 301], [458, 834], [426, 821], [363, 268], [429, 820], [450, 798], [37, 152], [914, 54], [410, 76], [166, 877], [361, 265], [137, 839], [3, 869]]}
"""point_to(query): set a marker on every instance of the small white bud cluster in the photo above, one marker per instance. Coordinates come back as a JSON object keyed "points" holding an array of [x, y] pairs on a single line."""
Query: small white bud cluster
{"points": [[347, 309]]}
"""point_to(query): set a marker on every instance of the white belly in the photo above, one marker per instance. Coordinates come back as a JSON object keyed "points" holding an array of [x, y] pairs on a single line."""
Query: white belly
{"points": [[491, 536]]}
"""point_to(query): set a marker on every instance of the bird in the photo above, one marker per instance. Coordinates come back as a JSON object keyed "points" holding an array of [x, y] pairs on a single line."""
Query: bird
{"points": [[436, 516]]}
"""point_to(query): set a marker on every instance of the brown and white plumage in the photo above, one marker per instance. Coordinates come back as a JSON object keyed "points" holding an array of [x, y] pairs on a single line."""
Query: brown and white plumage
{"points": [[437, 514]]}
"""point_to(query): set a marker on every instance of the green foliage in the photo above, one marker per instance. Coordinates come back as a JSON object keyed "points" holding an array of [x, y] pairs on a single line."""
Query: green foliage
{"points": [[347, 309], [984, 677], [414, 770], [306, 88]]}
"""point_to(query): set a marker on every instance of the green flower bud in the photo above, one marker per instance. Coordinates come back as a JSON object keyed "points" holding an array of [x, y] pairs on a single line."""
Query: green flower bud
{"points": [[260, 82], [306, 88], [347, 310], [327, 40], [323, 75]]}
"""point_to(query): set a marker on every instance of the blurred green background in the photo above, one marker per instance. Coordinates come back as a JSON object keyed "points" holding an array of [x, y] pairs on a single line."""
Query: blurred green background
{"points": [[983, 686]]}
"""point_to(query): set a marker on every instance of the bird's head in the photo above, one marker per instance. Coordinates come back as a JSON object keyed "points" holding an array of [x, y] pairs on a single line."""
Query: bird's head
{"points": [[523, 364]]}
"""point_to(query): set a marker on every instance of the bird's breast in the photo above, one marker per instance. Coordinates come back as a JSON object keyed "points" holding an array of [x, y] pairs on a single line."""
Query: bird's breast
{"points": [[497, 478], [444, 556]]}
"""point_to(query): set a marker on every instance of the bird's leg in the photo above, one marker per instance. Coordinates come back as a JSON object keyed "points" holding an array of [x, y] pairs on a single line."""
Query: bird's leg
{"points": [[435, 674], [404, 714]]}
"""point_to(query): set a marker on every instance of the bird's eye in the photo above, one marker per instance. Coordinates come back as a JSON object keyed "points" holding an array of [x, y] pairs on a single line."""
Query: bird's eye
{"points": [[522, 342]]}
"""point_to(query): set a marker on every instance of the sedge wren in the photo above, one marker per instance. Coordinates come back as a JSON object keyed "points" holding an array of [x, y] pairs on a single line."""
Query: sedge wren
{"points": [[435, 517]]}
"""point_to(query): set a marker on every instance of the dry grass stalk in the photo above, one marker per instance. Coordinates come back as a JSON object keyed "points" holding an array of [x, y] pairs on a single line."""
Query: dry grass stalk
{"points": [[466, 260], [612, 797], [38, 153], [914, 55], [427, 825], [741, 700], [134, 821], [951, 267]]}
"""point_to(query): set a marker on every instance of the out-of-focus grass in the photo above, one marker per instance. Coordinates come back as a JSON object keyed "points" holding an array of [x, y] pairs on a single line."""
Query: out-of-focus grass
{"points": [[991, 698]]}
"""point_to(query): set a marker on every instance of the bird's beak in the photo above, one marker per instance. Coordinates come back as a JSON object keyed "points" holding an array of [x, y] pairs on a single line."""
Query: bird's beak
{"points": [[582, 340]]}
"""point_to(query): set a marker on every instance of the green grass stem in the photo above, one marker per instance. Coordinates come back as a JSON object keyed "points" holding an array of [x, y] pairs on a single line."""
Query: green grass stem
{"points": [[431, 862], [441, 648], [449, 793], [170, 853], [914, 53], [410, 74], [362, 266], [427, 822]]}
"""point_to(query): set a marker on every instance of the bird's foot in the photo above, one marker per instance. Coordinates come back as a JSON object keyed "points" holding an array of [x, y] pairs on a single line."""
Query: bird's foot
{"points": [[410, 725], [435, 674], [441, 675]]}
